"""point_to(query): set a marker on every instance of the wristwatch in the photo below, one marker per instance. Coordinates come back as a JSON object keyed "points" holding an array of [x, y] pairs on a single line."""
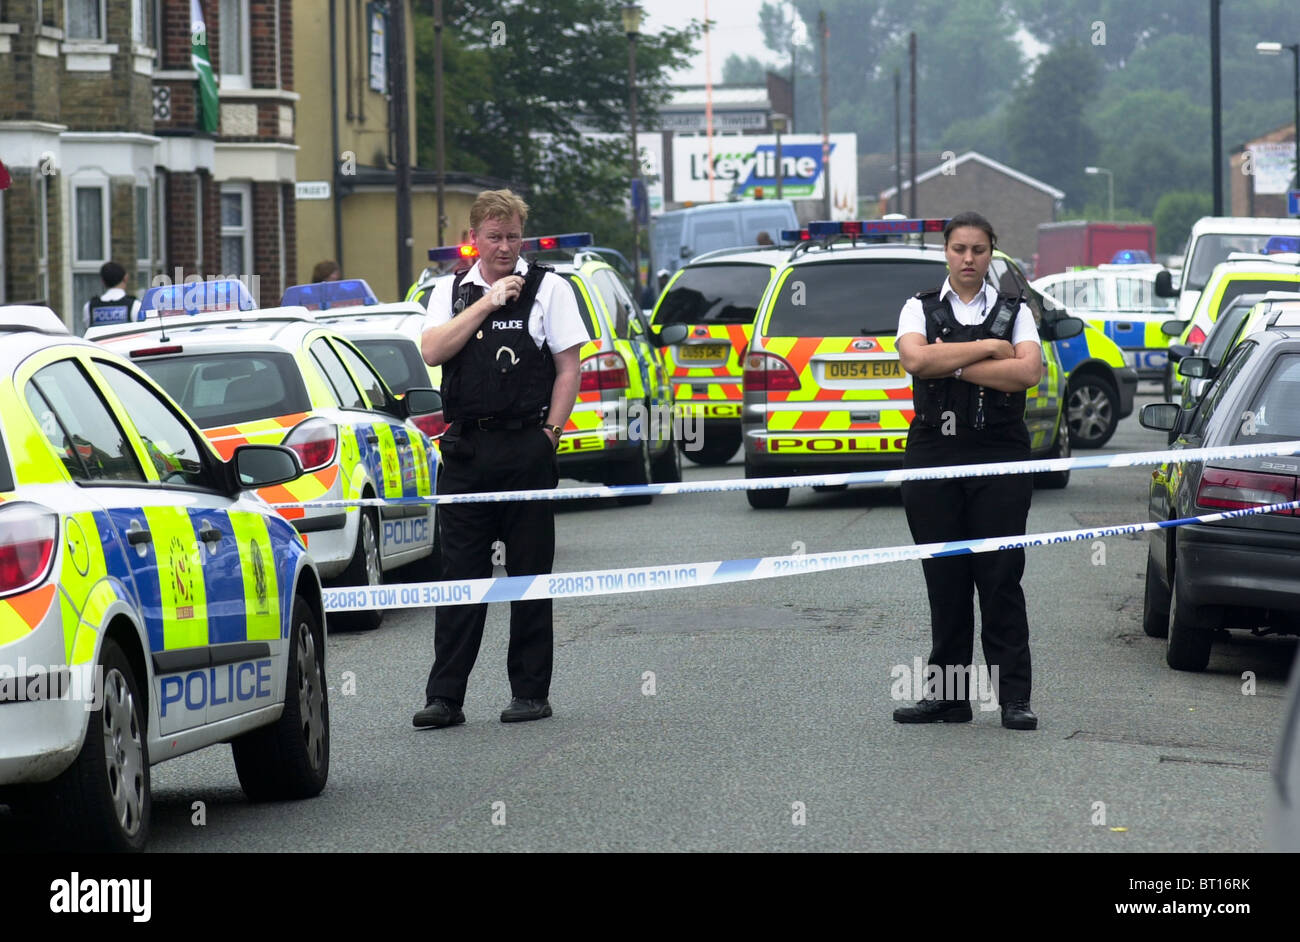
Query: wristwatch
{"points": [[956, 374], [558, 433]]}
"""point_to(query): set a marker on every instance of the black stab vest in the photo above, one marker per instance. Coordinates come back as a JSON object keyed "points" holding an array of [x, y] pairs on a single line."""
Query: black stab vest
{"points": [[110, 312], [500, 373]]}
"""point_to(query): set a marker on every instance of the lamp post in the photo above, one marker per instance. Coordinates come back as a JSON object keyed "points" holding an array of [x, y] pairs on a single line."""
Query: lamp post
{"points": [[1274, 49], [779, 123], [632, 26], [1110, 188]]}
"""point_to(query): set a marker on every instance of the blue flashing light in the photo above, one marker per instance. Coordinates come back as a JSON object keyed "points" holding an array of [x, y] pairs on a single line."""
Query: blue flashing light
{"points": [[198, 297], [1131, 257], [865, 227], [569, 240], [324, 295], [1278, 243], [794, 235], [451, 253]]}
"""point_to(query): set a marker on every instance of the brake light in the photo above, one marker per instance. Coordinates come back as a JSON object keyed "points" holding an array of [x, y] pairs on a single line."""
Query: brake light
{"points": [[432, 424], [155, 351], [603, 371], [315, 441], [766, 372], [1230, 489], [27, 535], [1196, 337]]}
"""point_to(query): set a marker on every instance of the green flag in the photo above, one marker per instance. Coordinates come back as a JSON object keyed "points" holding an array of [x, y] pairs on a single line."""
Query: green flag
{"points": [[209, 106]]}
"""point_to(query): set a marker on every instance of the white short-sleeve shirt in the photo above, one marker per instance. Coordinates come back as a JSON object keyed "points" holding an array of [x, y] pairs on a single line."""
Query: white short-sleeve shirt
{"points": [[554, 319], [912, 318]]}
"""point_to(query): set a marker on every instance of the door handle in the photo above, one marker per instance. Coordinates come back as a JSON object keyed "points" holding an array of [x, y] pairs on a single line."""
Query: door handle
{"points": [[209, 534], [370, 437], [136, 534]]}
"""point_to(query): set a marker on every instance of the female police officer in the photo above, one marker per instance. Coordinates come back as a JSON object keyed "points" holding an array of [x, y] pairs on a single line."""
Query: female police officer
{"points": [[972, 353]]}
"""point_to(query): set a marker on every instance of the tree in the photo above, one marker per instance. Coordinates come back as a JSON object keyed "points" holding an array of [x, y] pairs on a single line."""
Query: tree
{"points": [[743, 70], [1174, 215]]}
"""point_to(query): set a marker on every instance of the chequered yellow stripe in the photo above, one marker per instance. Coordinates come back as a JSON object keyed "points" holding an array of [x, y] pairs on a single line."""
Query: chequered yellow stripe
{"points": [[261, 586], [180, 579], [809, 391]]}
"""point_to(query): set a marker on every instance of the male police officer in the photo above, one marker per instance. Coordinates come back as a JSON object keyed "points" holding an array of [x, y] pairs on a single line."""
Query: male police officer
{"points": [[114, 306], [508, 335]]}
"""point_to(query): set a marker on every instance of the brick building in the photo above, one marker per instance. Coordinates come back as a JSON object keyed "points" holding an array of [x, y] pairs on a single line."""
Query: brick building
{"points": [[101, 132], [1262, 171]]}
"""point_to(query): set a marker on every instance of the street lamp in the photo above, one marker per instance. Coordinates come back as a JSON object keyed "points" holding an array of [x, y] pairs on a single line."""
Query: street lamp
{"points": [[779, 123], [632, 26], [1274, 49], [1110, 187]]}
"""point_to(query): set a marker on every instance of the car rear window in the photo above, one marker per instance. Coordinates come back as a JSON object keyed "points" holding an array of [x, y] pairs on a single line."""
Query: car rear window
{"points": [[397, 361], [714, 294], [229, 388], [1211, 249], [1236, 287], [1274, 413], [850, 298]]}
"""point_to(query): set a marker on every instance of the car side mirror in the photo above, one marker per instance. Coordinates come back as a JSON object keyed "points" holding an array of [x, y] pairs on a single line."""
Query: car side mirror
{"points": [[1173, 328], [1195, 367], [257, 466], [1165, 284], [422, 400], [1179, 350], [1160, 416], [671, 335], [1063, 328]]}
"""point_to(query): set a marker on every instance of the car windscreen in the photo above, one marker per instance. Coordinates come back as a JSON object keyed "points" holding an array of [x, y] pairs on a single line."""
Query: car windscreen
{"points": [[229, 388], [1274, 412], [714, 294], [850, 298], [397, 361], [1212, 249], [1225, 328]]}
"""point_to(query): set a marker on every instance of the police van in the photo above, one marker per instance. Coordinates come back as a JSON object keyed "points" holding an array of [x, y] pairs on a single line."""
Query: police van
{"points": [[682, 234], [824, 390]]}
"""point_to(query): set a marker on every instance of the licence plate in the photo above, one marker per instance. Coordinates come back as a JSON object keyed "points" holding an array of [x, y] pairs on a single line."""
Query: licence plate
{"points": [[864, 369], [703, 351]]}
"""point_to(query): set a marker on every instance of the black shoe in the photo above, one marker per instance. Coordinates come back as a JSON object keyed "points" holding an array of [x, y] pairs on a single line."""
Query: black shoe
{"points": [[934, 711], [521, 710], [440, 712], [1017, 715]]}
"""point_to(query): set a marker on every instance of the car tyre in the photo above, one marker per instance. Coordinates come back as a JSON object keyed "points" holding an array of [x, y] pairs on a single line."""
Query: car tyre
{"points": [[667, 468], [1055, 480], [1155, 604], [717, 446], [1189, 642], [290, 758], [365, 569], [102, 801], [638, 471], [1092, 406]]}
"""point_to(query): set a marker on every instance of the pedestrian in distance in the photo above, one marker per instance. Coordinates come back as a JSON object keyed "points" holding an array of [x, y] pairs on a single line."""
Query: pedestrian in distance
{"points": [[763, 238], [972, 353], [507, 334], [114, 306], [328, 270], [652, 290]]}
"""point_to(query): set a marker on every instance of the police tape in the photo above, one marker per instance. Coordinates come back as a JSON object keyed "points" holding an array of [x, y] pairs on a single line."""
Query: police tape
{"points": [[567, 585], [894, 476]]}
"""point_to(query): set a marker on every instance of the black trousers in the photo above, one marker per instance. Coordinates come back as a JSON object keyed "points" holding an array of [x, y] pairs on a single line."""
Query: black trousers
{"points": [[499, 460], [967, 509]]}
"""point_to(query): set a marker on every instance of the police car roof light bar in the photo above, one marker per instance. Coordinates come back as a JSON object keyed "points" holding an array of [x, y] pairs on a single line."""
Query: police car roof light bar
{"points": [[452, 253], [821, 229], [568, 240], [324, 295], [794, 235], [198, 297]]}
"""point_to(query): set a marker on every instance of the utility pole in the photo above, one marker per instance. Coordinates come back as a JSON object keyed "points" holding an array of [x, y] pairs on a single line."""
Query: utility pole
{"points": [[824, 33], [401, 118], [911, 164], [898, 143], [1216, 109], [440, 141]]}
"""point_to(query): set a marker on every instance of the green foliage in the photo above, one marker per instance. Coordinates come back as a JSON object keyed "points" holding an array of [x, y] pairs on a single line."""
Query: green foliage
{"points": [[744, 70], [1174, 215]]}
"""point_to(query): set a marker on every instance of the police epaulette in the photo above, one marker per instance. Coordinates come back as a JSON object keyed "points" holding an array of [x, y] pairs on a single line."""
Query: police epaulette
{"points": [[922, 295]]}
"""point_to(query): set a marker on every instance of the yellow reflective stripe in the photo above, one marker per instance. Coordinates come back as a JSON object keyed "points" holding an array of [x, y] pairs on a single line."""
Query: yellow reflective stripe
{"points": [[180, 578], [597, 321], [261, 585], [318, 391], [388, 459], [420, 455], [84, 579], [35, 458]]}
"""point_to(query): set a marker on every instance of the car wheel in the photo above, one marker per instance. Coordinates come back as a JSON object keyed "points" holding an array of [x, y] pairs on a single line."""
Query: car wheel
{"points": [[638, 471], [365, 569], [1189, 642], [715, 446], [1092, 411], [1055, 480], [290, 758], [102, 801], [667, 468], [1155, 604]]}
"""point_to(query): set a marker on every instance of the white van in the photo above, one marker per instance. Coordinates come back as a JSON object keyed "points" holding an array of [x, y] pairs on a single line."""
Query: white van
{"points": [[1212, 240], [678, 236]]}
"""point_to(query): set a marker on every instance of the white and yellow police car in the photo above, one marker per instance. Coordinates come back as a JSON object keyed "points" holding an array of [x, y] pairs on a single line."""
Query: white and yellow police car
{"points": [[149, 605], [275, 375]]}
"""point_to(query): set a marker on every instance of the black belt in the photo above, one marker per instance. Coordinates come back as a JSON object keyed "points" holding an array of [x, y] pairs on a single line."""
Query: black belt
{"points": [[492, 424]]}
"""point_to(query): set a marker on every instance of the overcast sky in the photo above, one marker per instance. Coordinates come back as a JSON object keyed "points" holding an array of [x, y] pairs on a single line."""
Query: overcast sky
{"points": [[737, 31]]}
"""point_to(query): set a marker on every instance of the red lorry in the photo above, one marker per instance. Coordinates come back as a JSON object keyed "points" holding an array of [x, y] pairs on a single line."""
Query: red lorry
{"points": [[1063, 245]]}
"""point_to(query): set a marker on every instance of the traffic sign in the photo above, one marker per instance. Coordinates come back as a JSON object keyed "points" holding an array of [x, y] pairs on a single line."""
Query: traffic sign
{"points": [[1293, 202]]}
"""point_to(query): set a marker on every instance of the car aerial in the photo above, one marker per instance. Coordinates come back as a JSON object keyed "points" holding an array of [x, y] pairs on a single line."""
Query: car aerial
{"points": [[1237, 573], [1239, 274], [621, 429], [276, 375], [1120, 301], [715, 297], [149, 604], [824, 390]]}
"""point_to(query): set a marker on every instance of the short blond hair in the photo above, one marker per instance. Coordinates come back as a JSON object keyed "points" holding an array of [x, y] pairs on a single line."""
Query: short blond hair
{"points": [[497, 204]]}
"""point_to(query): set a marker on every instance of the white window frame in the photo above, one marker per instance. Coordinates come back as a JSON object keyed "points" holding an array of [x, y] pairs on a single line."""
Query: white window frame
{"points": [[143, 253], [141, 35], [244, 78], [43, 238], [99, 183], [245, 190], [103, 24], [160, 222]]}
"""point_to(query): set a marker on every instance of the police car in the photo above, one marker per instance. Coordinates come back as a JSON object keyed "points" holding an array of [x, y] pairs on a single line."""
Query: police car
{"points": [[622, 425], [715, 297], [824, 390], [275, 375], [149, 605]]}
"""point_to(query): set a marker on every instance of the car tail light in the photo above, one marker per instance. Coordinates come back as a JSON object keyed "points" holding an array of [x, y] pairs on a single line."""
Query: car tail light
{"points": [[1229, 489], [156, 351], [432, 424], [316, 442], [1196, 337], [603, 371], [766, 372], [27, 535]]}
